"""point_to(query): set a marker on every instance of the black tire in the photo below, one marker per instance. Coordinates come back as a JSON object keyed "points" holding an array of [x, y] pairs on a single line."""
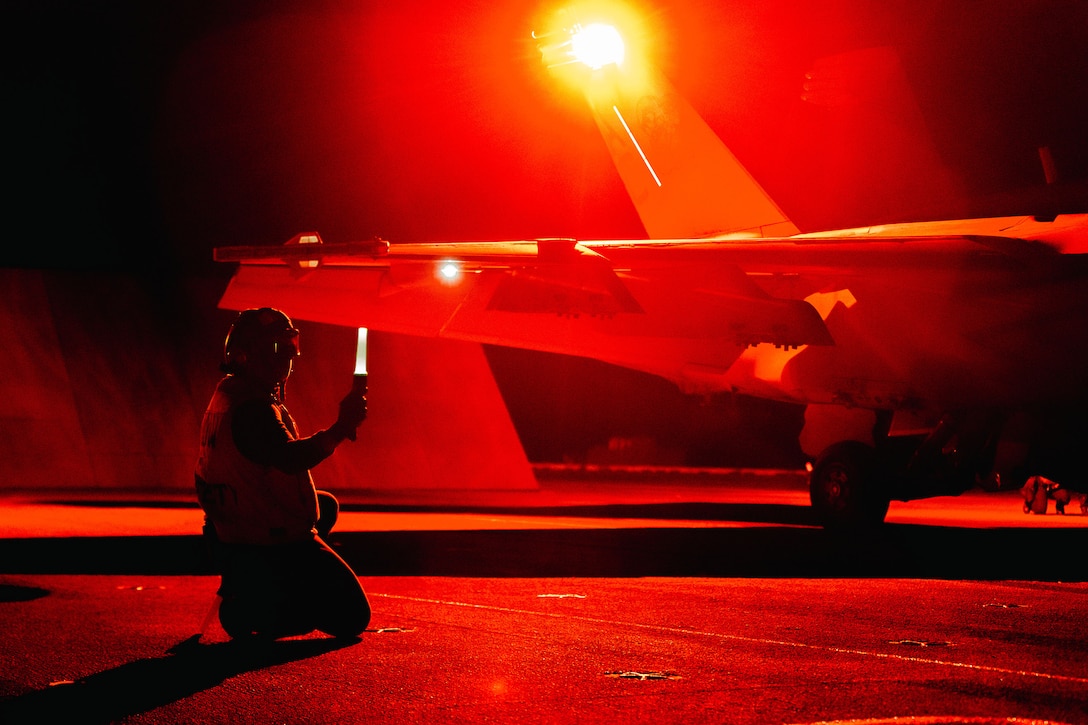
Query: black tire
{"points": [[844, 489]]}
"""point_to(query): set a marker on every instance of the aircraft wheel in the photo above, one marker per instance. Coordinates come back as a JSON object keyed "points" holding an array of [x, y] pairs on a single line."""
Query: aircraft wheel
{"points": [[842, 488]]}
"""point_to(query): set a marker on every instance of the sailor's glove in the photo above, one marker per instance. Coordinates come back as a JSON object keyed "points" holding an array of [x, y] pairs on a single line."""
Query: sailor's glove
{"points": [[352, 414]]}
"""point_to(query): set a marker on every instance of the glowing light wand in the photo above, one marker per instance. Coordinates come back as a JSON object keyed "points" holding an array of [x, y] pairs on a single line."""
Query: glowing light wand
{"points": [[358, 383]]}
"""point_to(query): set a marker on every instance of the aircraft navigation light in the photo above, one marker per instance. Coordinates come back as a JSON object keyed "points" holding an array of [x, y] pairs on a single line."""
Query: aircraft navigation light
{"points": [[597, 45], [449, 271]]}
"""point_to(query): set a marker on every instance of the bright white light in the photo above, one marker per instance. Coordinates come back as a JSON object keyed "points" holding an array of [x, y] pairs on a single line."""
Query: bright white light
{"points": [[449, 271], [597, 45], [360, 352]]}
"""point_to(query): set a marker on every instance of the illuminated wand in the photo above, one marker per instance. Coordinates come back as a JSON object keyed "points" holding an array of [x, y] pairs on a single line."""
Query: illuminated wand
{"points": [[358, 383]]}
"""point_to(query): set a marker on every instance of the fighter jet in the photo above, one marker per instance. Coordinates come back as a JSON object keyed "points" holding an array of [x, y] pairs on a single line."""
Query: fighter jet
{"points": [[931, 357]]}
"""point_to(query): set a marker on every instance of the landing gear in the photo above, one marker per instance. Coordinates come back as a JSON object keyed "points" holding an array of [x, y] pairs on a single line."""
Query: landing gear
{"points": [[865, 463], [843, 487]]}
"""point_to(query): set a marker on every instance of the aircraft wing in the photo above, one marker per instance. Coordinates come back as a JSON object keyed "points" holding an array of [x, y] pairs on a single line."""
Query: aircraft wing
{"points": [[656, 306], [686, 310]]}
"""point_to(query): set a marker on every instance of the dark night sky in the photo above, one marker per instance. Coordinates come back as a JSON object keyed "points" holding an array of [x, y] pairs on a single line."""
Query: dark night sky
{"points": [[143, 134], [159, 130]]}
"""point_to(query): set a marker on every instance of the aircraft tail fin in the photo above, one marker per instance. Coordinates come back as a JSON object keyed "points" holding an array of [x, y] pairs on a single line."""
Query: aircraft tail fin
{"points": [[683, 181]]}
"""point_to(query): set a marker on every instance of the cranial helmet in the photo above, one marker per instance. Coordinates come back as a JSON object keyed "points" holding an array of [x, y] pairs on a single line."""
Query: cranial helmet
{"points": [[259, 335]]}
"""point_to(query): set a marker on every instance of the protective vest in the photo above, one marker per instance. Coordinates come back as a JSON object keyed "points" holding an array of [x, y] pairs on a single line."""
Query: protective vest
{"points": [[249, 503]]}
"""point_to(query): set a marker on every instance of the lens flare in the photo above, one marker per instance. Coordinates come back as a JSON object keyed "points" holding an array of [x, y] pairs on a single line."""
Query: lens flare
{"points": [[597, 45]]}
